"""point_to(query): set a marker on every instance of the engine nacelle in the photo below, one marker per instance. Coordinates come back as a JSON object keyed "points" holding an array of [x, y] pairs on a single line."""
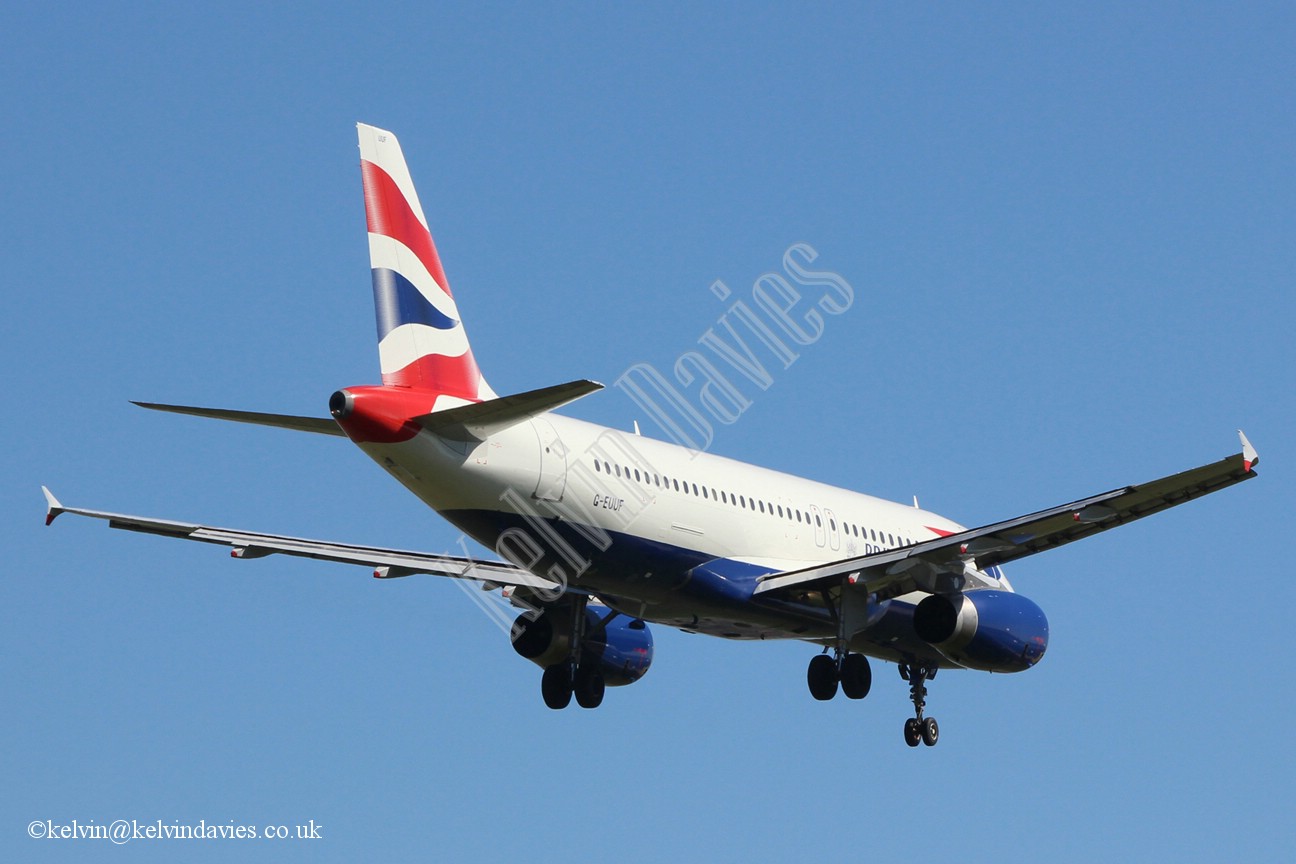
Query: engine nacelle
{"points": [[994, 631], [623, 648]]}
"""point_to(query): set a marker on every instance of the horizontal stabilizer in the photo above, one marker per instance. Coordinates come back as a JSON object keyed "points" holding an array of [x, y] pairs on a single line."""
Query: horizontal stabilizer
{"points": [[321, 425], [475, 422]]}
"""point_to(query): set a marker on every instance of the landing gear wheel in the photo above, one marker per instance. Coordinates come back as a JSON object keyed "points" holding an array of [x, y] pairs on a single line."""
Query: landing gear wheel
{"points": [[912, 732], [856, 676], [822, 677], [930, 731], [589, 687], [556, 686]]}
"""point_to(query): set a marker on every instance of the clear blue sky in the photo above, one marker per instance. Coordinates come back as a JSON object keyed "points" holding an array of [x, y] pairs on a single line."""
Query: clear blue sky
{"points": [[1070, 233]]}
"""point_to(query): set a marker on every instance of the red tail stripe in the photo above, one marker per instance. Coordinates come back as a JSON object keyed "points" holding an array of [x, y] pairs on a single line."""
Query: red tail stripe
{"points": [[389, 214]]}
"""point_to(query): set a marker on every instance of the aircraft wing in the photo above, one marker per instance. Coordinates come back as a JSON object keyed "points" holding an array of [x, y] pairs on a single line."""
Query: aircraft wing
{"points": [[387, 563], [940, 564]]}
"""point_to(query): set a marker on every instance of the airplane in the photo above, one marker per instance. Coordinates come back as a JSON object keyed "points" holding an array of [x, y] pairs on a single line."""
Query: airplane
{"points": [[602, 532]]}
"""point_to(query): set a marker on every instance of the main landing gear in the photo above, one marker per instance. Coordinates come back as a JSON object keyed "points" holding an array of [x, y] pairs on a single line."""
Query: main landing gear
{"points": [[851, 671], [579, 673], [919, 728]]}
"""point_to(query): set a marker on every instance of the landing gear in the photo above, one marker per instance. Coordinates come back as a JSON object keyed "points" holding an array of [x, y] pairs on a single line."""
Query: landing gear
{"points": [[579, 674], [851, 671], [850, 612], [919, 728]]}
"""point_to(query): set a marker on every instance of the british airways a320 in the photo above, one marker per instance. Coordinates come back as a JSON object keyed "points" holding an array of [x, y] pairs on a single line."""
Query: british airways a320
{"points": [[603, 532]]}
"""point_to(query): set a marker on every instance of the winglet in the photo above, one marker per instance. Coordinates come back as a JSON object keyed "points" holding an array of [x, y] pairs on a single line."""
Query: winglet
{"points": [[1249, 456], [52, 506]]}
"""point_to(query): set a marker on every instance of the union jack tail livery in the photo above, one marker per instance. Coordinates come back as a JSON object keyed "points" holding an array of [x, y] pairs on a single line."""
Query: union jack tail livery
{"points": [[421, 340]]}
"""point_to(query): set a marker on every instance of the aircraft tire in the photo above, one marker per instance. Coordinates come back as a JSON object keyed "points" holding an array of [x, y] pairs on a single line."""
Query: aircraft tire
{"points": [[856, 676], [821, 676], [589, 688], [556, 686], [930, 731]]}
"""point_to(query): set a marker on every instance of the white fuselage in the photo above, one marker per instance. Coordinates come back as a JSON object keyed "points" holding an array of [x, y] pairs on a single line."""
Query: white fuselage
{"points": [[630, 517]]}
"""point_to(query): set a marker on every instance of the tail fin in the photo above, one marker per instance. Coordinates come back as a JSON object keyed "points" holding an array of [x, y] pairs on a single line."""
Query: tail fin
{"points": [[421, 341]]}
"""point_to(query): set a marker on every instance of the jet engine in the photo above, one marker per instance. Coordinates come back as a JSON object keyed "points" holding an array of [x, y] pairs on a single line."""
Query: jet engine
{"points": [[623, 646], [994, 631]]}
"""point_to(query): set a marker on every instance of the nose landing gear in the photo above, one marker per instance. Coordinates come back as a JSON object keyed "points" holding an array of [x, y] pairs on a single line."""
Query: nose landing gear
{"points": [[919, 728]]}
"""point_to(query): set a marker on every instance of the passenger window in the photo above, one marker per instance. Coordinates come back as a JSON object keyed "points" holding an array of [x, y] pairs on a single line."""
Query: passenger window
{"points": [[618, 470], [675, 483], [704, 492]]}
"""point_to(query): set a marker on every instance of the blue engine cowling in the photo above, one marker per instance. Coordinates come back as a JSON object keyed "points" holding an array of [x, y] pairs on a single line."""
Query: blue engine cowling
{"points": [[994, 631], [623, 648]]}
